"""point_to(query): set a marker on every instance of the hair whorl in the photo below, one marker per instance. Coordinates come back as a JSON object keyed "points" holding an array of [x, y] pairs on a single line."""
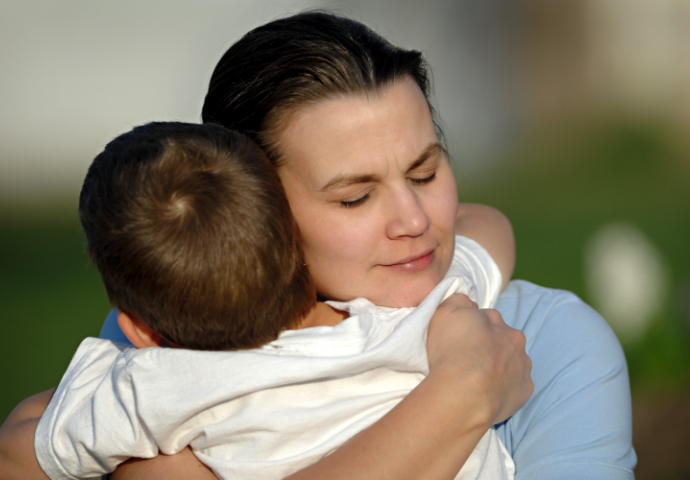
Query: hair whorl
{"points": [[191, 232]]}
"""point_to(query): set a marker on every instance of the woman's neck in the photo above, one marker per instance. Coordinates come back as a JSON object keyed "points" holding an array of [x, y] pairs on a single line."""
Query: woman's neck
{"points": [[322, 315]]}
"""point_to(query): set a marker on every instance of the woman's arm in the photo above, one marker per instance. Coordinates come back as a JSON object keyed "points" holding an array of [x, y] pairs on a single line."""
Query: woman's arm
{"points": [[431, 432], [17, 458], [493, 231]]}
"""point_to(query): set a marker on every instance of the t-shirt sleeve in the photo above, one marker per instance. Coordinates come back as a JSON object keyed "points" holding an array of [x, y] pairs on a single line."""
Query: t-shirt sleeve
{"points": [[474, 264], [91, 423], [578, 422]]}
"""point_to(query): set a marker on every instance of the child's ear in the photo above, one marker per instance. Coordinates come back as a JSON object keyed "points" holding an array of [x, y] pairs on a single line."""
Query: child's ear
{"points": [[137, 331]]}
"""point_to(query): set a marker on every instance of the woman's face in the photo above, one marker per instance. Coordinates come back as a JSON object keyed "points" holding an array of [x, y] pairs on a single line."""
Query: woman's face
{"points": [[373, 195]]}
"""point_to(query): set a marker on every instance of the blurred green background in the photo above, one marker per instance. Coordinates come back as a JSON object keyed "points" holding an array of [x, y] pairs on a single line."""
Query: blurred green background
{"points": [[561, 187]]}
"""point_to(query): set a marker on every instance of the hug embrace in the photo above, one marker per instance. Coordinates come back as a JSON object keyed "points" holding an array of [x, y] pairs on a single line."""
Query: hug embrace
{"points": [[329, 309]]}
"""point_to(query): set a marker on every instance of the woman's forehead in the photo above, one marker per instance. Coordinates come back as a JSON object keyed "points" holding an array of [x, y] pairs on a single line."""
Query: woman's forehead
{"points": [[348, 134]]}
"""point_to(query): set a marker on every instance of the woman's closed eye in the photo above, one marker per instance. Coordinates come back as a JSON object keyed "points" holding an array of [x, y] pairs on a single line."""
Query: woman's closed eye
{"points": [[361, 200], [423, 181], [354, 203]]}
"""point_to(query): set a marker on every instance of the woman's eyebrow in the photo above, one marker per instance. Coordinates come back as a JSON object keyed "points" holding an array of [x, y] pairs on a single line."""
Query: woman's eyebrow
{"points": [[342, 181], [431, 150]]}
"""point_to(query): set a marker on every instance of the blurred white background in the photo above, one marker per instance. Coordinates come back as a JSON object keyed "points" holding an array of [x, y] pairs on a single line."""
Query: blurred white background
{"points": [[75, 73]]}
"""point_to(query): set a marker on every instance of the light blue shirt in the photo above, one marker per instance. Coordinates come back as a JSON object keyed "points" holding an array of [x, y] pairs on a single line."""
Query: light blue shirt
{"points": [[111, 330], [578, 423]]}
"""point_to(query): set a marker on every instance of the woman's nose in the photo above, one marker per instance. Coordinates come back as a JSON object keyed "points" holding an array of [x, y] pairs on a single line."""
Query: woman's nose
{"points": [[407, 216]]}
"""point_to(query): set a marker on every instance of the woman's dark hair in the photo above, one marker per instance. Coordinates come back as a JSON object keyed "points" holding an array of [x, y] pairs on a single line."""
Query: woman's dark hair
{"points": [[295, 61], [191, 232]]}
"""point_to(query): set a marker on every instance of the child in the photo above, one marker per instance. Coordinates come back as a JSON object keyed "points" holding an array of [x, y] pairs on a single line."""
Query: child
{"points": [[193, 237]]}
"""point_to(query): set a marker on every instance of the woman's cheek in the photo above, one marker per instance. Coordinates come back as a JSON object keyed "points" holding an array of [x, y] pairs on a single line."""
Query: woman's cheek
{"points": [[441, 204], [340, 252], [448, 200]]}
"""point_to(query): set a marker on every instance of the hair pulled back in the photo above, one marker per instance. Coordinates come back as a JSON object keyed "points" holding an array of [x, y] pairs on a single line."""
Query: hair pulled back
{"points": [[299, 60]]}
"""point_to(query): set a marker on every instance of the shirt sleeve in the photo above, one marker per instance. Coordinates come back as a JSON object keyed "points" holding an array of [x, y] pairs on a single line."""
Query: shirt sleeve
{"points": [[91, 423], [472, 262], [578, 422]]}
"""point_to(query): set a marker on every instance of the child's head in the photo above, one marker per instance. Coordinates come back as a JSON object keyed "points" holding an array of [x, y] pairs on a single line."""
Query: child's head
{"points": [[191, 232]]}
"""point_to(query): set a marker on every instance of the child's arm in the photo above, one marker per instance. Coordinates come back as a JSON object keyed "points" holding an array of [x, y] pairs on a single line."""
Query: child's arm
{"points": [[91, 424], [17, 457], [493, 231]]}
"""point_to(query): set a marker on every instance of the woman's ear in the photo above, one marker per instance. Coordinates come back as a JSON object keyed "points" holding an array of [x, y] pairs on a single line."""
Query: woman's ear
{"points": [[137, 331]]}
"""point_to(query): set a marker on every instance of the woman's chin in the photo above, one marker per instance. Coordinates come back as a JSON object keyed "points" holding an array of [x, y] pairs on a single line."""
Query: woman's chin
{"points": [[409, 294]]}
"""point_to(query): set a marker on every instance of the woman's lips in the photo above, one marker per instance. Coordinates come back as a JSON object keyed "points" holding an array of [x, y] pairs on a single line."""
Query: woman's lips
{"points": [[414, 265]]}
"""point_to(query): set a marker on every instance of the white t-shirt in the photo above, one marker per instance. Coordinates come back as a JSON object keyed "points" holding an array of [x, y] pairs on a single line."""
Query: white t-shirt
{"points": [[262, 413]]}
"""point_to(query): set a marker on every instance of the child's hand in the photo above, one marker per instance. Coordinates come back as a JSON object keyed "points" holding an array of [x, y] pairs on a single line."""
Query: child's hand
{"points": [[482, 359]]}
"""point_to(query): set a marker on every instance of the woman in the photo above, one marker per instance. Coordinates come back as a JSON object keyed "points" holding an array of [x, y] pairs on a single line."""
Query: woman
{"points": [[344, 118]]}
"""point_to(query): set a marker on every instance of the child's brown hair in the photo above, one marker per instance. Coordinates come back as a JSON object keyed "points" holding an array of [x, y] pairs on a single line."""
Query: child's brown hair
{"points": [[191, 232]]}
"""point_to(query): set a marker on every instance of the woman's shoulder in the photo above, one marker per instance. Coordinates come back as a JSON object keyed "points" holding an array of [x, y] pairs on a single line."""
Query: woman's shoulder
{"points": [[563, 333], [533, 308]]}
